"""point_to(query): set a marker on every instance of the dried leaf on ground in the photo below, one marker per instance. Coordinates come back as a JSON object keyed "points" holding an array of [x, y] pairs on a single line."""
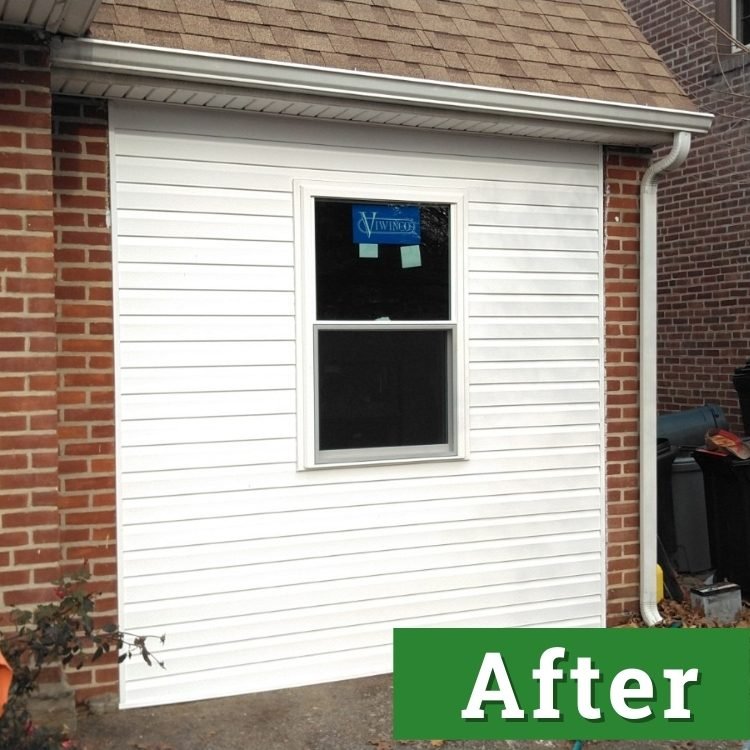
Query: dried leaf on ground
{"points": [[681, 613]]}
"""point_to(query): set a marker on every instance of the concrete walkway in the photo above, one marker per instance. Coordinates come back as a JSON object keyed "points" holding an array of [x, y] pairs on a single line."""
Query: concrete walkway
{"points": [[351, 715]]}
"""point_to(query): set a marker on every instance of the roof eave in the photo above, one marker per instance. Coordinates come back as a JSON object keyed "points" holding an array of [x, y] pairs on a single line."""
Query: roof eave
{"points": [[70, 17], [117, 70]]}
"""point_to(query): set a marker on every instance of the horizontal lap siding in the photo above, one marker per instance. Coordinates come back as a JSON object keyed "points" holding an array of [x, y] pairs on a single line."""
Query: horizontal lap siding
{"points": [[263, 576]]}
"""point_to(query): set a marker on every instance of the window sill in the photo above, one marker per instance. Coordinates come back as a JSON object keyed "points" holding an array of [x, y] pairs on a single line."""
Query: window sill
{"points": [[730, 62], [377, 462]]}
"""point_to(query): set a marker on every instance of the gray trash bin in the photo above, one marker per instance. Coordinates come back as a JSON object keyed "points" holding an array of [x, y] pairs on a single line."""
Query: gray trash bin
{"points": [[688, 428]]}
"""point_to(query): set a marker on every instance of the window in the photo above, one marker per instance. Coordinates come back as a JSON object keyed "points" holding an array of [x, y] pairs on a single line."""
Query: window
{"points": [[733, 16], [741, 20], [381, 333]]}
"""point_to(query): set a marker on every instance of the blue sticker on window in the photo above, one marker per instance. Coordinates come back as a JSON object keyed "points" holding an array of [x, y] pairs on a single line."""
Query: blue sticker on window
{"points": [[382, 224]]}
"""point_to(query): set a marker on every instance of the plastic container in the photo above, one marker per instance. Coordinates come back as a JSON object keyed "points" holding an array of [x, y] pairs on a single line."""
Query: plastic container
{"points": [[659, 583], [741, 381], [688, 428], [719, 601], [665, 519], [727, 487], [692, 551]]}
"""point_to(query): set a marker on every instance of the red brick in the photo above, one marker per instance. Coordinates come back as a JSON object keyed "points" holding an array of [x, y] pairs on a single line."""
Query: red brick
{"points": [[67, 182], [67, 146], [13, 118], [43, 421], [10, 97], [26, 76], [11, 222], [38, 556], [29, 519], [79, 484], [38, 181], [39, 223], [13, 538], [28, 441], [10, 140], [45, 575], [10, 578], [37, 99], [86, 238], [13, 424], [46, 536], [26, 201], [11, 384], [20, 160], [13, 461], [10, 180], [81, 165], [28, 285]]}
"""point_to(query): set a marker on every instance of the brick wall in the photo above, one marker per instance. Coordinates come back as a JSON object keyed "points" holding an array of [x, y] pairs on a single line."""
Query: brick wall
{"points": [[83, 262], [704, 274], [29, 518], [623, 173], [56, 392]]}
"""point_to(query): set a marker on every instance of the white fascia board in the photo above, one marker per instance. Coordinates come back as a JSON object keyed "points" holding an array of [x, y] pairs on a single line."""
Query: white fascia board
{"points": [[185, 67], [55, 16]]}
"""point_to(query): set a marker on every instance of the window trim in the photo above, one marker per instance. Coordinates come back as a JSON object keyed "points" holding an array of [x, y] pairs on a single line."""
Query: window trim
{"points": [[367, 188]]}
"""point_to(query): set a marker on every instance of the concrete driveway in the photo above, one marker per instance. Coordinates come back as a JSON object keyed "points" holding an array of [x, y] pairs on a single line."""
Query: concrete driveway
{"points": [[351, 715]]}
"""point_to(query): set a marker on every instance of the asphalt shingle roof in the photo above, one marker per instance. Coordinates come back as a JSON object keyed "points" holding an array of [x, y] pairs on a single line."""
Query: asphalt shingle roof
{"points": [[581, 48]]}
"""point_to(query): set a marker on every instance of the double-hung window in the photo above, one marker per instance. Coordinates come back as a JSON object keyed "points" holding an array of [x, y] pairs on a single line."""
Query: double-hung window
{"points": [[380, 333]]}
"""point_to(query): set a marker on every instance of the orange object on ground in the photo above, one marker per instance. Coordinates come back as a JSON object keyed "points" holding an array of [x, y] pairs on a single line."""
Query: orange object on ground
{"points": [[6, 676]]}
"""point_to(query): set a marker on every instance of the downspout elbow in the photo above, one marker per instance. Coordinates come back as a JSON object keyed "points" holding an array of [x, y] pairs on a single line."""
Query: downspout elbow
{"points": [[648, 380]]}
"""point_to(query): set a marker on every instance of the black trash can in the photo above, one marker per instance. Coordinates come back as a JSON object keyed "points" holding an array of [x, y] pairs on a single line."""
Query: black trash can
{"points": [[727, 484], [741, 381], [665, 516], [691, 528]]}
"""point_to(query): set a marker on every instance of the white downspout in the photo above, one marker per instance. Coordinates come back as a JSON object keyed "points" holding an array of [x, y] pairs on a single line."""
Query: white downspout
{"points": [[648, 334]]}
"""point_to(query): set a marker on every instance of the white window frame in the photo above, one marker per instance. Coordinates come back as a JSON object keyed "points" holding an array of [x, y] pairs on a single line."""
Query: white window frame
{"points": [[366, 189]]}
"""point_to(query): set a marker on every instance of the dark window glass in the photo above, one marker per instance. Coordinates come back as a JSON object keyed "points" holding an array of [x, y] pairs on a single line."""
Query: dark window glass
{"points": [[382, 388], [352, 284], [744, 22], [743, 26]]}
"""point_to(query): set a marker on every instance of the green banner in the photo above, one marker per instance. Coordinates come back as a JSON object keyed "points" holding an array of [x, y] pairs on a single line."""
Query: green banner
{"points": [[617, 684]]}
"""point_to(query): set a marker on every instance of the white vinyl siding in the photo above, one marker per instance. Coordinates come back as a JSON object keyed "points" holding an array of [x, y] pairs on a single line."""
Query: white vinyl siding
{"points": [[263, 576]]}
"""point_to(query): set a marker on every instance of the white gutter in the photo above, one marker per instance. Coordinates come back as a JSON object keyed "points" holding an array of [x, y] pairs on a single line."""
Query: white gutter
{"points": [[105, 58], [648, 436]]}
